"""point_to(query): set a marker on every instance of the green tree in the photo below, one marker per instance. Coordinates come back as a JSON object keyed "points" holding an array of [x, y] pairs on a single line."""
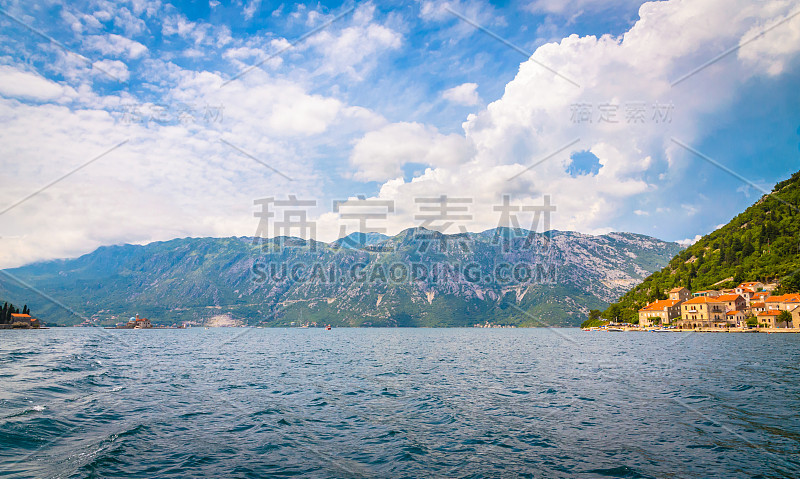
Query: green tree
{"points": [[790, 284], [738, 275], [785, 317], [613, 313]]}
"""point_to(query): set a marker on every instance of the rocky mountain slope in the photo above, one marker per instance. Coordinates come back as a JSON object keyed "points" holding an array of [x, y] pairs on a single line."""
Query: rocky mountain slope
{"points": [[416, 278]]}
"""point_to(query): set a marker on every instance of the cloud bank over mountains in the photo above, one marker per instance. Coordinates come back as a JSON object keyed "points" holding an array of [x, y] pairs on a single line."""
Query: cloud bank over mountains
{"points": [[605, 125]]}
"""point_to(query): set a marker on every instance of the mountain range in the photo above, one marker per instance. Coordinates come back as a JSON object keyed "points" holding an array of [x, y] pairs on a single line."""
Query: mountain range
{"points": [[418, 277]]}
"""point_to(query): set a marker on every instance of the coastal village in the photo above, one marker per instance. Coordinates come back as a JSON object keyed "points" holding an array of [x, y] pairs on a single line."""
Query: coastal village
{"points": [[749, 305]]}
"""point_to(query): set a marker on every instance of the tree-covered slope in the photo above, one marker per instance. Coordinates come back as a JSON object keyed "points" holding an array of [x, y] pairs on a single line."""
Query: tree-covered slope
{"points": [[762, 243]]}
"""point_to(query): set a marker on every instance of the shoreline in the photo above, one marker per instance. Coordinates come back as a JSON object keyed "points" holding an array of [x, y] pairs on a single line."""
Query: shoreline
{"points": [[701, 330]]}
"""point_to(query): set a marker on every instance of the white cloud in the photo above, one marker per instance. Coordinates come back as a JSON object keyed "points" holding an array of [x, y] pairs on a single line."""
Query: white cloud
{"points": [[180, 179], [353, 50], [129, 23], [464, 94], [769, 51], [27, 86], [251, 8], [534, 117], [242, 53], [380, 154], [111, 70], [689, 241], [576, 7], [112, 44], [690, 210], [170, 180]]}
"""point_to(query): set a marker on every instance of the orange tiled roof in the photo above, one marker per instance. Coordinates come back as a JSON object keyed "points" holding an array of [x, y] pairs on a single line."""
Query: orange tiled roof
{"points": [[758, 305], [733, 313], [773, 312], [18, 315], [727, 297], [660, 305], [702, 300], [793, 298], [675, 290]]}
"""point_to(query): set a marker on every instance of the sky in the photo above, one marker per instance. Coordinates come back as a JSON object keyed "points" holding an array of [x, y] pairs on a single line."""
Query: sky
{"points": [[146, 120]]}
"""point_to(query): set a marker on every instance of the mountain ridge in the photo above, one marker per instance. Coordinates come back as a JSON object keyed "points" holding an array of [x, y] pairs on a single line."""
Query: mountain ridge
{"points": [[195, 278]]}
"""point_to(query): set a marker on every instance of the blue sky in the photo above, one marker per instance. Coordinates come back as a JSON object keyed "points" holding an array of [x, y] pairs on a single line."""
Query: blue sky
{"points": [[390, 100]]}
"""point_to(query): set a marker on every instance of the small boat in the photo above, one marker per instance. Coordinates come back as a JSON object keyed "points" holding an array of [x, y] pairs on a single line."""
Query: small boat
{"points": [[615, 330], [328, 327]]}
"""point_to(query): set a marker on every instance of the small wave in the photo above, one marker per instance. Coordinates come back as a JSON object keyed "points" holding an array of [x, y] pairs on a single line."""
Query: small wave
{"points": [[26, 411], [620, 471], [741, 387]]}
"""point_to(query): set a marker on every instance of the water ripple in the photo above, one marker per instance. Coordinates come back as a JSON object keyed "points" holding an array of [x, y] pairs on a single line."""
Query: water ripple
{"points": [[397, 403]]}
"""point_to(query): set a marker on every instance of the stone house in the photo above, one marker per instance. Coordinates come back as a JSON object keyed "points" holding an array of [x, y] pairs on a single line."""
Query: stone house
{"points": [[660, 312], [680, 294]]}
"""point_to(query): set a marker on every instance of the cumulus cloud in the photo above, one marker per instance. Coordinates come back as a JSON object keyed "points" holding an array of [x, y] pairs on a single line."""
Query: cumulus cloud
{"points": [[576, 7], [111, 69], [464, 94], [179, 179], [380, 154], [689, 241], [522, 142], [15, 83], [171, 179], [769, 52], [251, 8], [353, 50], [117, 45]]}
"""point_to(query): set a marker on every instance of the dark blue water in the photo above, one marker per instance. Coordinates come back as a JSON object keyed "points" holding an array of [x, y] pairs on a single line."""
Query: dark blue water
{"points": [[398, 403]]}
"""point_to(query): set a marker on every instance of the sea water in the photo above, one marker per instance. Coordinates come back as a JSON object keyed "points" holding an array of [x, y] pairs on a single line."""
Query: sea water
{"points": [[244, 402]]}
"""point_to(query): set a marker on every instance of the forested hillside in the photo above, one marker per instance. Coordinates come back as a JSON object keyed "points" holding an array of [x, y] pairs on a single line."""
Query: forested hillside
{"points": [[762, 243]]}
